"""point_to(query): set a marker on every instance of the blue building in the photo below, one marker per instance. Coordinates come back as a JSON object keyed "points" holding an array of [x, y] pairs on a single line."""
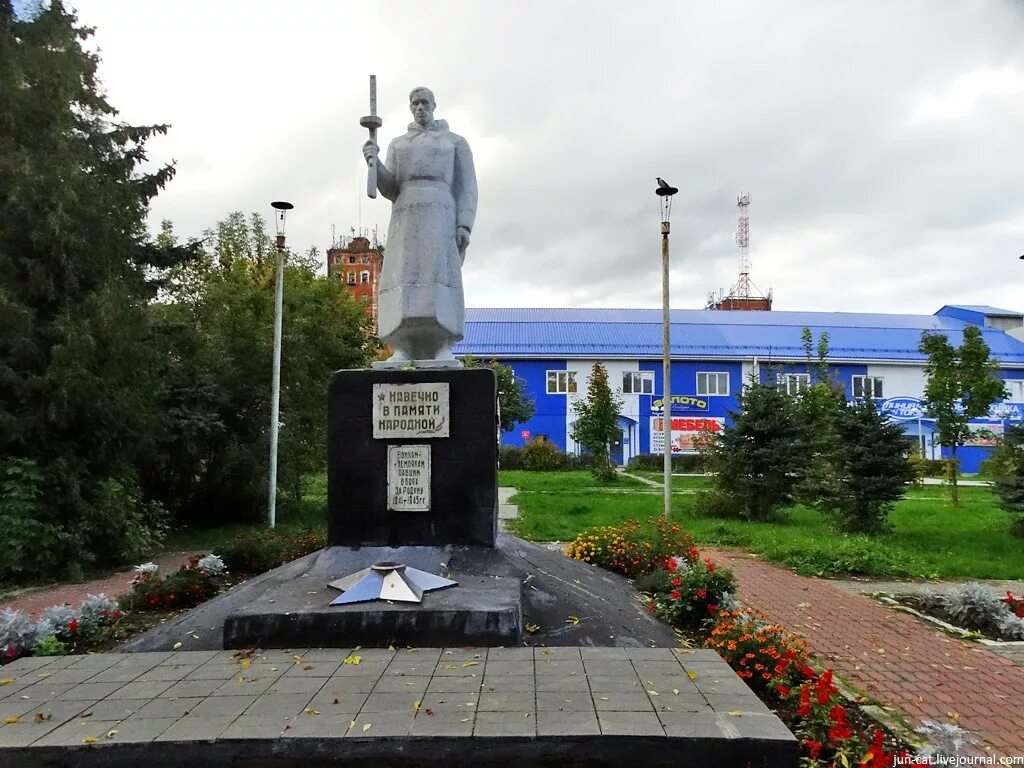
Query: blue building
{"points": [[715, 352]]}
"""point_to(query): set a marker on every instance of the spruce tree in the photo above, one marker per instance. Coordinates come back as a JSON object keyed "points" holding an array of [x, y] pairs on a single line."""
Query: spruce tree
{"points": [[77, 363]]}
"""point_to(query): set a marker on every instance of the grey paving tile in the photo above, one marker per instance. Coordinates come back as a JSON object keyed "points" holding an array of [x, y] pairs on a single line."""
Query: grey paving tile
{"points": [[167, 708], [449, 703], [554, 700], [609, 667], [213, 670], [501, 702], [554, 683], [444, 724], [76, 732], [26, 664], [668, 683], [755, 726], [60, 662], [471, 684], [567, 723], [622, 701], [362, 669], [119, 673], [223, 706], [695, 655], [380, 724], [329, 726], [189, 657], [142, 690], [464, 654], [505, 724], [402, 684], [97, 661], [395, 702], [342, 702], [500, 684], [456, 669], [373, 655], [23, 734], [39, 692], [509, 654], [630, 724], [90, 691], [310, 685], [684, 702], [152, 657], [313, 669], [615, 683], [195, 729], [410, 666], [71, 676], [747, 702], [703, 725], [499, 668], [140, 729], [254, 728], [652, 668], [349, 684], [560, 652], [648, 654], [559, 667], [244, 686], [602, 653], [190, 688], [166, 672], [113, 709], [328, 654], [18, 707], [282, 705]]}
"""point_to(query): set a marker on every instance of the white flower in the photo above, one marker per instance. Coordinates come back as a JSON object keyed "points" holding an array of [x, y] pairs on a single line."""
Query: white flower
{"points": [[213, 565], [146, 568]]}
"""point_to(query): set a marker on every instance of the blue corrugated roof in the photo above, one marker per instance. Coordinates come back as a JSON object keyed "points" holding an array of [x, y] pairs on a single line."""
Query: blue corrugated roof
{"points": [[636, 333], [984, 309]]}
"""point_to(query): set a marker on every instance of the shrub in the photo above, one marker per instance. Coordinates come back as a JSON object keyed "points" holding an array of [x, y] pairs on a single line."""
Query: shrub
{"points": [[49, 646], [973, 606], [631, 549], [716, 503], [766, 656], [189, 586], [538, 455], [655, 462], [259, 551], [17, 634], [690, 594]]}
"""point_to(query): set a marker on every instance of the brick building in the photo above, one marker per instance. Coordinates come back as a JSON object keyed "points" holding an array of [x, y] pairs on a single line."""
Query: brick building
{"points": [[358, 266]]}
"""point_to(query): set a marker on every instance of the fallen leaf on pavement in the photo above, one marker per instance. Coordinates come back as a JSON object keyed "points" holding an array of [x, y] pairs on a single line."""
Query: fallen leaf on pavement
{"points": [[574, 620], [416, 705], [309, 711], [675, 691], [429, 711], [692, 675], [653, 693], [41, 716], [176, 646], [353, 659], [12, 720], [111, 733], [367, 727], [307, 667], [89, 740], [532, 628], [7, 681], [246, 663]]}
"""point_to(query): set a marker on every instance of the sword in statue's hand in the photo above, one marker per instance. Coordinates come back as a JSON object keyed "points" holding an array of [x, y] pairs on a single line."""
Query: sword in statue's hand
{"points": [[372, 122]]}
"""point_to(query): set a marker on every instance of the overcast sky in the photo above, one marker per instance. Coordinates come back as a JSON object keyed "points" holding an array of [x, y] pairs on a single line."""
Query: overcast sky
{"points": [[882, 143]]}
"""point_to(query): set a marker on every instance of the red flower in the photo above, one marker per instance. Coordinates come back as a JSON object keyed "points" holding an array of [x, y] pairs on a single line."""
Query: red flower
{"points": [[73, 626], [710, 564], [117, 613], [701, 593], [11, 651], [675, 595], [677, 581], [712, 609], [813, 748], [807, 672], [671, 565], [839, 732], [783, 691], [837, 714], [650, 607], [805, 701]]}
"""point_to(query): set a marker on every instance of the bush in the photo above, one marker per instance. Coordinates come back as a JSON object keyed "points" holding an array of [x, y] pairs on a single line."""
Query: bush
{"points": [[655, 462], [973, 606], [259, 551], [49, 646], [716, 503], [189, 586], [688, 594], [765, 655], [631, 549], [538, 455]]}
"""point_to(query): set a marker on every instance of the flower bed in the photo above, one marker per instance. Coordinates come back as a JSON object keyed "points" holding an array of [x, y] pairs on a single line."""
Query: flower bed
{"points": [[696, 595], [974, 609]]}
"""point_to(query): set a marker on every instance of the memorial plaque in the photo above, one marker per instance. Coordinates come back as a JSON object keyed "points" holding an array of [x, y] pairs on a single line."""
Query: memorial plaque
{"points": [[403, 411], [409, 478]]}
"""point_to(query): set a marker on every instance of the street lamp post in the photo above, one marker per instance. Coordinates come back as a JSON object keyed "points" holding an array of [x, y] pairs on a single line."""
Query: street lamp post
{"points": [[280, 209], [665, 192]]}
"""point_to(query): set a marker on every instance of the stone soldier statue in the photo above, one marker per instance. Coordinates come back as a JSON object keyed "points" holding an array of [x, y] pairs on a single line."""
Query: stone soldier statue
{"points": [[429, 177]]}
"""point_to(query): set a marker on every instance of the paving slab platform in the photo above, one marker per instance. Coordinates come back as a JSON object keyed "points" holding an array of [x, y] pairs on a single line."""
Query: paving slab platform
{"points": [[423, 706]]}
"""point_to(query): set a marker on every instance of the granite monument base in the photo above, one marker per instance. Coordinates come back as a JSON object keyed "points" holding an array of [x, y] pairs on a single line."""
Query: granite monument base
{"points": [[412, 458], [484, 609]]}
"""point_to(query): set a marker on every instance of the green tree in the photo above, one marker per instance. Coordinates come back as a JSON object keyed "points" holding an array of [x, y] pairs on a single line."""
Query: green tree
{"points": [[871, 468], [817, 408], [758, 456], [216, 392], [961, 385], [78, 366], [1007, 466], [597, 422], [515, 405]]}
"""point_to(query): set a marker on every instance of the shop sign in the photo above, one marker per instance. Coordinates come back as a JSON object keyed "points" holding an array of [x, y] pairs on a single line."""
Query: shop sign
{"points": [[680, 404], [902, 408], [684, 433]]}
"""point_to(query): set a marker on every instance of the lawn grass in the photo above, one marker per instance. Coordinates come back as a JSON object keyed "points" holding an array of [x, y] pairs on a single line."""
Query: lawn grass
{"points": [[930, 539]]}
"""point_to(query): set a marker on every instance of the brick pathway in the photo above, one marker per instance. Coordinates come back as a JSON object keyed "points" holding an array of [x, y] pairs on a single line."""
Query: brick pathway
{"points": [[37, 599], [890, 655]]}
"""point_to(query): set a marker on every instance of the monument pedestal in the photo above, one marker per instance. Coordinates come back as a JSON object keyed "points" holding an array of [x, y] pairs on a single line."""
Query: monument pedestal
{"points": [[412, 457]]}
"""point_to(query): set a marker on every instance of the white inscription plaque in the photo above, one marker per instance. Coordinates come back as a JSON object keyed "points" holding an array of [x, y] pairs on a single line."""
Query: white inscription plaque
{"points": [[409, 478], [410, 410]]}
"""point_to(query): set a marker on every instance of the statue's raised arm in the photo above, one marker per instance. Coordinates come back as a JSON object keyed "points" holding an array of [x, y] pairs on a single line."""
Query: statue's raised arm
{"points": [[429, 177]]}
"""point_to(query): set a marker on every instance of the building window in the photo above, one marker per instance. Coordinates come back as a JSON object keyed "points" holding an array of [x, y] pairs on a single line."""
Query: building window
{"points": [[638, 383], [350, 278], [712, 384], [794, 383], [364, 277], [351, 259], [561, 382], [868, 386], [366, 259], [1015, 387]]}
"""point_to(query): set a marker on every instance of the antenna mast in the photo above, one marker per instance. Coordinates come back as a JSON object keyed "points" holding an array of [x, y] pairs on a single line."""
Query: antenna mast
{"points": [[742, 288]]}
